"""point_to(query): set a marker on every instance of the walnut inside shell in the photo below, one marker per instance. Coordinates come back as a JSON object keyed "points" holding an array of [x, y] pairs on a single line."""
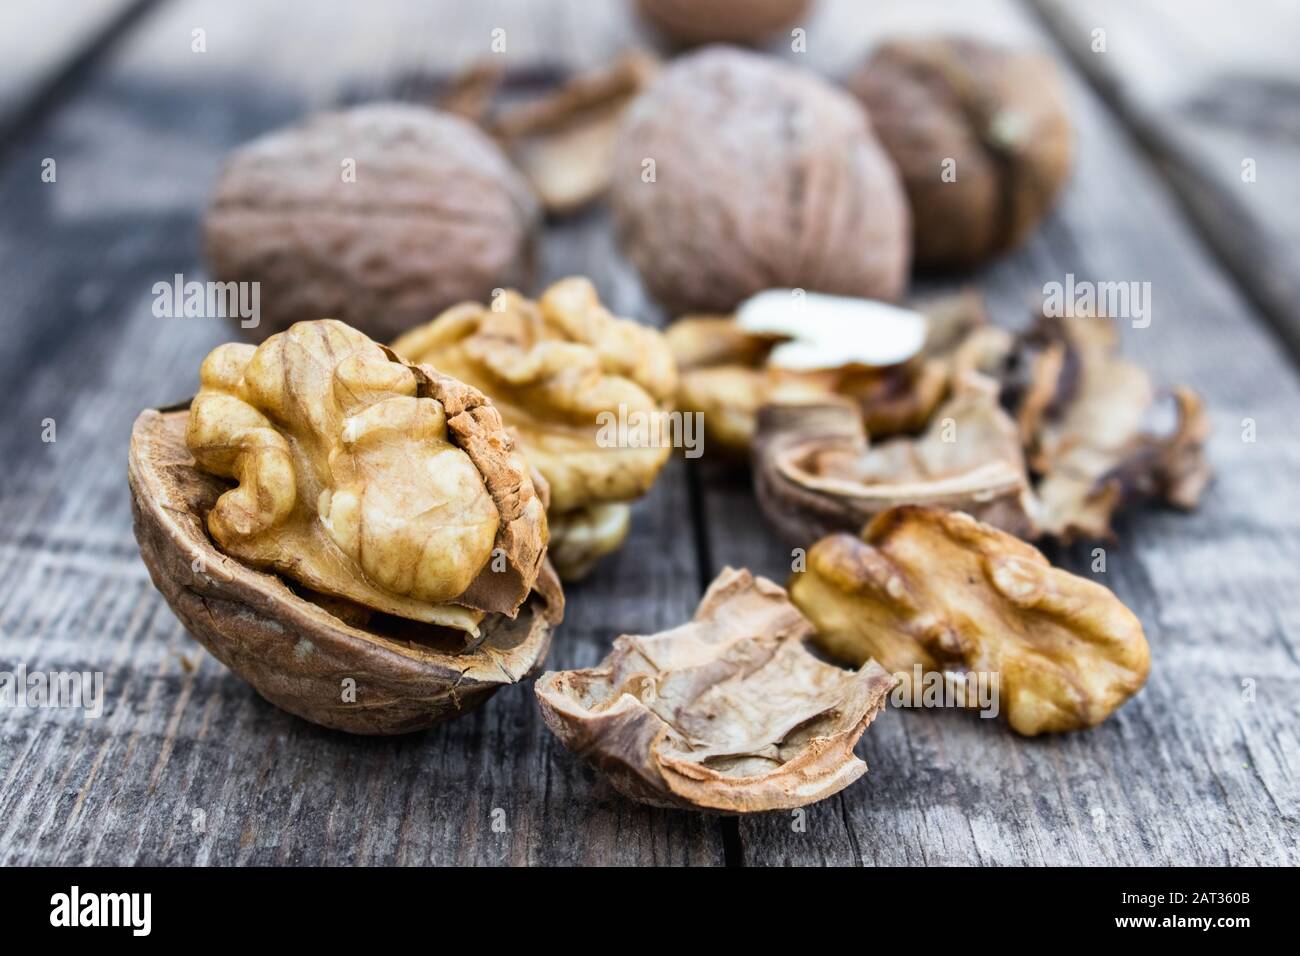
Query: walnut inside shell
{"points": [[935, 588], [380, 216], [561, 370], [298, 648], [981, 135], [728, 713], [735, 173]]}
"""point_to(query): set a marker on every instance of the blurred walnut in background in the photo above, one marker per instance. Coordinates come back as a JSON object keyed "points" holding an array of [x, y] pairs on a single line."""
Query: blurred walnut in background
{"points": [[692, 22], [380, 216], [735, 173], [980, 134], [558, 369]]}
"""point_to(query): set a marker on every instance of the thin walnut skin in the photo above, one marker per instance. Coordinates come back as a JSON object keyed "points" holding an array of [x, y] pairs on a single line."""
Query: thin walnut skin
{"points": [[555, 368], [766, 176], [1000, 114], [366, 478], [937, 588], [728, 713], [436, 214], [296, 648]]}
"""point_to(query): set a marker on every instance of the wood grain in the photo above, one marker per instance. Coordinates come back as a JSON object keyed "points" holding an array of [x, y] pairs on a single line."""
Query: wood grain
{"points": [[188, 765]]}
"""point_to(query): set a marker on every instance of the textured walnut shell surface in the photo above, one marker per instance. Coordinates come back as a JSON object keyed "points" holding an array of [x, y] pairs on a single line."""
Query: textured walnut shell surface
{"points": [[1001, 114], [728, 713], [936, 589], [692, 22], [436, 214], [292, 650], [766, 176]]}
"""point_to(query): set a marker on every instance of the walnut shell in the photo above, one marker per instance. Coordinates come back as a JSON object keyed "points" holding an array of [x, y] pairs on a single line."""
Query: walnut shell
{"points": [[436, 214], [728, 713], [764, 176], [691, 22], [296, 648], [1000, 114]]}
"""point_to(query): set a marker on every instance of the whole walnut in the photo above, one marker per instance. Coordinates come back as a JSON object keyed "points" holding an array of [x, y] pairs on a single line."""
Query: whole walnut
{"points": [[690, 22], [380, 216], [981, 135], [736, 173]]}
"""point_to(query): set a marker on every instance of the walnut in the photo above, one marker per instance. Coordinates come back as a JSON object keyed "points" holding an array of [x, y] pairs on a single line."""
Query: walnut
{"points": [[1083, 413], [736, 173], [559, 370], [935, 588], [728, 713], [322, 511], [999, 114], [380, 216], [690, 23], [814, 472], [729, 371]]}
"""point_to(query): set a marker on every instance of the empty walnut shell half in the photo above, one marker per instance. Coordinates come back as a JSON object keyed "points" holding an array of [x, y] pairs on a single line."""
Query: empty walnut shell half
{"points": [[735, 173], [729, 713], [936, 589], [380, 216], [980, 134], [296, 647], [814, 472]]}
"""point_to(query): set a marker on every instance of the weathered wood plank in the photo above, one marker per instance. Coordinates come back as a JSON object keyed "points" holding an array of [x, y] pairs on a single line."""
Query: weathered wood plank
{"points": [[1212, 91], [187, 764], [1189, 771]]}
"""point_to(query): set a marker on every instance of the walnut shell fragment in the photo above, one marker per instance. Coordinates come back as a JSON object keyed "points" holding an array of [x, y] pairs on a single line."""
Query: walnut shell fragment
{"points": [[814, 472], [980, 134], [735, 173], [729, 713], [380, 216], [297, 648], [1084, 414], [565, 374], [936, 589], [564, 141]]}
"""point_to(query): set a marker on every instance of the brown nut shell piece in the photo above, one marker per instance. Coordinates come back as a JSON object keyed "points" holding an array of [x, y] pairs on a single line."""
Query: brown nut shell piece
{"points": [[765, 176], [935, 588], [999, 114], [814, 472], [436, 214], [692, 22], [294, 648], [729, 713]]}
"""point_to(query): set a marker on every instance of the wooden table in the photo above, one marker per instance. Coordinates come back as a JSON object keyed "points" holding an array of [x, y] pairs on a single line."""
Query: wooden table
{"points": [[188, 765]]}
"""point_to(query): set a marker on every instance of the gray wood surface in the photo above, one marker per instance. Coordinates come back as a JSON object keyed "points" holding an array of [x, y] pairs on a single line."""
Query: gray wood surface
{"points": [[188, 765]]}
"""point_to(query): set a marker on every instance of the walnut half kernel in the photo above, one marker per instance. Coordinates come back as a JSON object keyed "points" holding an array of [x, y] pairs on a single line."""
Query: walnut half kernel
{"points": [[935, 588], [380, 527], [728, 713], [556, 369]]}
